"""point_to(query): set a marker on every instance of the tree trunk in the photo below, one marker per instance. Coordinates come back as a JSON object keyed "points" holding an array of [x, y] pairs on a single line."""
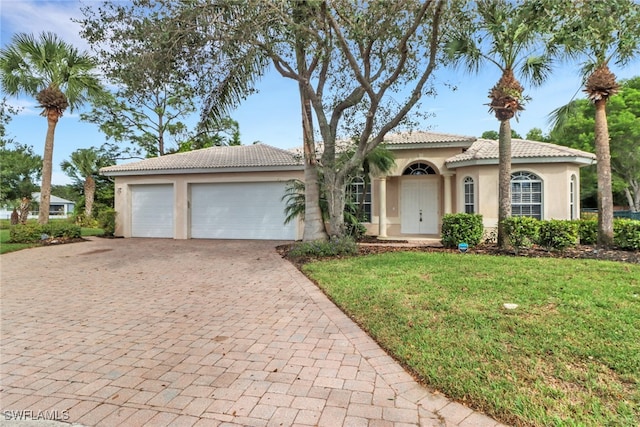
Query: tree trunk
{"points": [[632, 193], [335, 187], [605, 194], [504, 180], [314, 228], [89, 195], [47, 167], [23, 213]]}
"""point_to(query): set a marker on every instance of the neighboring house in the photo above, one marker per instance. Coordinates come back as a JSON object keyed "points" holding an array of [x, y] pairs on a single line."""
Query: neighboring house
{"points": [[236, 192], [58, 208]]}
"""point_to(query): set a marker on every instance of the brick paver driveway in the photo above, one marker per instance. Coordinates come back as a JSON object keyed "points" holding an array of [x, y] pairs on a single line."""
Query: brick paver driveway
{"points": [[164, 332]]}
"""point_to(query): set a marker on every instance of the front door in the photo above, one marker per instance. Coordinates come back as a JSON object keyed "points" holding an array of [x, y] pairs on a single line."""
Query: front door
{"points": [[419, 205]]}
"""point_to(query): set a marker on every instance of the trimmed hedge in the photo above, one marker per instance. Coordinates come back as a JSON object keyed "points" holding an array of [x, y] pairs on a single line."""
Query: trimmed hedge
{"points": [[34, 232], [558, 234], [461, 228], [626, 234], [522, 231], [588, 231], [322, 248]]}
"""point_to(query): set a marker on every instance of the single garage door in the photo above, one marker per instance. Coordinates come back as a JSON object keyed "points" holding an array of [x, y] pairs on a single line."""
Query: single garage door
{"points": [[152, 210], [239, 211]]}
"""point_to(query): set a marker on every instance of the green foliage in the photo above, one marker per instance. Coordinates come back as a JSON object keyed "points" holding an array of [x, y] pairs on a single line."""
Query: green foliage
{"points": [[107, 221], [588, 231], [461, 227], [345, 245], [19, 171], [522, 231], [558, 234], [626, 234], [33, 232], [576, 129]]}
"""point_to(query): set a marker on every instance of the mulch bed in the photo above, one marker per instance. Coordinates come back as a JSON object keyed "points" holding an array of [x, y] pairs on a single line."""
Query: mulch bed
{"points": [[374, 246]]}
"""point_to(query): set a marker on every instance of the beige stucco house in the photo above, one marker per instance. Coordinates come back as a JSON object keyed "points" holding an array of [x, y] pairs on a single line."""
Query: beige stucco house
{"points": [[236, 192]]}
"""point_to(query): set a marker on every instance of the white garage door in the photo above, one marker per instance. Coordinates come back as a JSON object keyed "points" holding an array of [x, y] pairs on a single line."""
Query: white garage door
{"points": [[152, 210], [239, 211]]}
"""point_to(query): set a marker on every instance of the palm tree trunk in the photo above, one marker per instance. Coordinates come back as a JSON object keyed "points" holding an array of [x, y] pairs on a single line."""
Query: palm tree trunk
{"points": [[504, 180], [605, 194], [89, 195], [47, 167]]}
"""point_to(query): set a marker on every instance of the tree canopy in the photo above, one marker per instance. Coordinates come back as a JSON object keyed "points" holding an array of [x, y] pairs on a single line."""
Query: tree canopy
{"points": [[623, 117]]}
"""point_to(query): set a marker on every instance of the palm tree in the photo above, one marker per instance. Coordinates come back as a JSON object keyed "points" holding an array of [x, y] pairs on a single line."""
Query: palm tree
{"points": [[600, 33], [508, 36], [83, 165], [58, 76]]}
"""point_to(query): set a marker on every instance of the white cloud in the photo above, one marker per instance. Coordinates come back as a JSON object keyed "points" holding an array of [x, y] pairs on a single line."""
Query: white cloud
{"points": [[29, 16]]}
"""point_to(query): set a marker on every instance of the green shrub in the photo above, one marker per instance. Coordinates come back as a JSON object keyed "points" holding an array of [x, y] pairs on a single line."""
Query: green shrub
{"points": [[107, 221], [588, 231], [26, 233], [558, 234], [33, 232], [626, 234], [323, 248], [522, 231], [461, 227], [84, 221], [62, 229]]}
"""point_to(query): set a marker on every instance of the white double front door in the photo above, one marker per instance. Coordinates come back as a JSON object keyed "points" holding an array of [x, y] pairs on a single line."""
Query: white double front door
{"points": [[419, 205]]}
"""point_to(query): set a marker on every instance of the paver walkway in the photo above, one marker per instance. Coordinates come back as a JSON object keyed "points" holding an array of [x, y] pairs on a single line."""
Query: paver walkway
{"points": [[132, 332]]}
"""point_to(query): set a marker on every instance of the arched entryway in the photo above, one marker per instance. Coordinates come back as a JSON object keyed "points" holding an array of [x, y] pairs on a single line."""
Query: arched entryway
{"points": [[419, 199]]}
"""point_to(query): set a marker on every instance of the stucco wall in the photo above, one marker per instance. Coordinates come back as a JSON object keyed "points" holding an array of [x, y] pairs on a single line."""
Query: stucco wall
{"points": [[556, 180]]}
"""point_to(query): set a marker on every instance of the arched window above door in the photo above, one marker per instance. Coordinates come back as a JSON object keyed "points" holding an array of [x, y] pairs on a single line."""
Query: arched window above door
{"points": [[419, 169]]}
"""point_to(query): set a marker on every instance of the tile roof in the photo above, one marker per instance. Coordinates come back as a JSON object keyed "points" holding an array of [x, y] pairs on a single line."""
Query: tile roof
{"points": [[487, 150], [226, 157], [421, 137], [400, 139], [52, 199]]}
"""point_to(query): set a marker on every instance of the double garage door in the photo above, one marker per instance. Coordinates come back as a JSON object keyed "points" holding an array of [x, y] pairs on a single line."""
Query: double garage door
{"points": [[216, 211]]}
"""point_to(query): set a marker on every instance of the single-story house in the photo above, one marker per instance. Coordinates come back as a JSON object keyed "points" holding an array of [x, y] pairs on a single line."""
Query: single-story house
{"points": [[58, 207], [236, 192]]}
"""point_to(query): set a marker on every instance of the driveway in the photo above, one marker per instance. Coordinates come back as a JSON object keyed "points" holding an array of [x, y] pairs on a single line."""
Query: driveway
{"points": [[162, 332]]}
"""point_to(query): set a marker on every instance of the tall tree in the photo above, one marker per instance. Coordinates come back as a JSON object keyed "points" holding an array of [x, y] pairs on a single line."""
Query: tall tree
{"points": [[143, 55], [600, 33], [508, 35], [361, 66], [576, 130], [83, 167], [58, 76]]}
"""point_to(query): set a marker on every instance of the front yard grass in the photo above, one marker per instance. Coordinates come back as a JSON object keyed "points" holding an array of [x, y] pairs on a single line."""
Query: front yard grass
{"points": [[12, 247], [569, 354]]}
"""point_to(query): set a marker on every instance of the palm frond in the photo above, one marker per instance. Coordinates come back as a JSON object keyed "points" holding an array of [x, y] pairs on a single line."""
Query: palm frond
{"points": [[559, 117]]}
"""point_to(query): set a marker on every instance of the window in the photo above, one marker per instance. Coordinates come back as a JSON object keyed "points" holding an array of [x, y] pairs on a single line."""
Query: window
{"points": [[469, 196], [526, 195], [572, 197], [419, 169], [359, 193]]}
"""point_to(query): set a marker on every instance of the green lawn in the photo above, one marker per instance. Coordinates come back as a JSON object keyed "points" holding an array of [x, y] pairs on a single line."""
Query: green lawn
{"points": [[12, 247], [568, 355]]}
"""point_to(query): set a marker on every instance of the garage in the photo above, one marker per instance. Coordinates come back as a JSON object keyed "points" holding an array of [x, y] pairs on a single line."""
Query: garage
{"points": [[239, 210], [152, 210]]}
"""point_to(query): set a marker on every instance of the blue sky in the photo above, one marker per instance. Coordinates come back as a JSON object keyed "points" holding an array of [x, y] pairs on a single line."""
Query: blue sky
{"points": [[272, 115]]}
